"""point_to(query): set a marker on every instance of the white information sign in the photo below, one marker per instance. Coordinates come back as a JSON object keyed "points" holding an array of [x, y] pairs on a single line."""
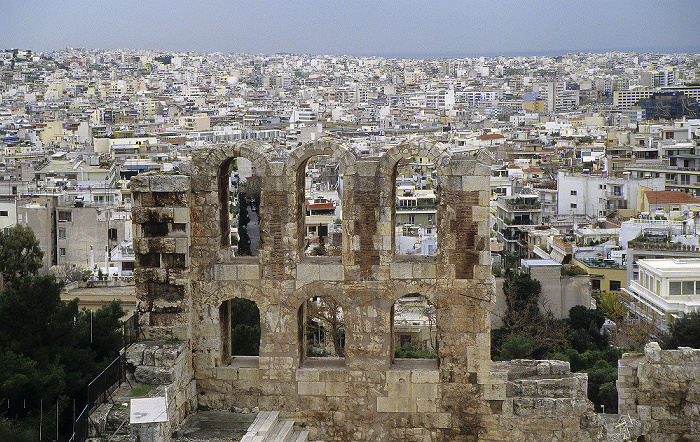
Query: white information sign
{"points": [[148, 410]]}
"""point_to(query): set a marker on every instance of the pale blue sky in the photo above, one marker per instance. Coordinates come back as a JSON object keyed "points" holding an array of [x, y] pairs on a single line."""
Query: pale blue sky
{"points": [[360, 27]]}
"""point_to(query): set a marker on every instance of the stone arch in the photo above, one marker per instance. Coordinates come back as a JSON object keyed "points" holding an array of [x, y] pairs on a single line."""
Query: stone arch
{"points": [[299, 299], [294, 175], [219, 302], [438, 154], [420, 146], [213, 160], [430, 291]]}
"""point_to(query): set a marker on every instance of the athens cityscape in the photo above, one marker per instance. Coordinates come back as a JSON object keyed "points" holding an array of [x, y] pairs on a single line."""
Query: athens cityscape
{"points": [[335, 222]]}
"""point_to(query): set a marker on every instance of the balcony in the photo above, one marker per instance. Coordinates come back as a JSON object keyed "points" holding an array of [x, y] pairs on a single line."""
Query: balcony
{"points": [[515, 204], [419, 207], [614, 195]]}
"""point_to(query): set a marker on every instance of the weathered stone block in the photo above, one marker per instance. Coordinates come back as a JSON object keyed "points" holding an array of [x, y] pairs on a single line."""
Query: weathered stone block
{"points": [[401, 270], [248, 271], [226, 272], [153, 375]]}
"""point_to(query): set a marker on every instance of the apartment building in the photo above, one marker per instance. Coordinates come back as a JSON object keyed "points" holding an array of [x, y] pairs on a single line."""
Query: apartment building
{"points": [[665, 290]]}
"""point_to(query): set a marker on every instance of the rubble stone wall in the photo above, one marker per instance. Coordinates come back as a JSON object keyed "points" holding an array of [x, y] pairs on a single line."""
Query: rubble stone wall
{"points": [[540, 401], [168, 364], [662, 389], [186, 272]]}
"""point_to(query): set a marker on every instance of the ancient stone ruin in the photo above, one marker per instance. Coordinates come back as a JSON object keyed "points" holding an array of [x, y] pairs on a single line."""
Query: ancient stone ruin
{"points": [[186, 276]]}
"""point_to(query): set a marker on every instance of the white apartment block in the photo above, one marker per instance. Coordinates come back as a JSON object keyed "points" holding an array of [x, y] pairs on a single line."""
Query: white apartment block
{"points": [[666, 290], [595, 196]]}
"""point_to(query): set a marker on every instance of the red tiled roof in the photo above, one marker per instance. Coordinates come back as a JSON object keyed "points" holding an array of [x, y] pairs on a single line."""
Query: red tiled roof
{"points": [[486, 137], [669, 197], [320, 206]]}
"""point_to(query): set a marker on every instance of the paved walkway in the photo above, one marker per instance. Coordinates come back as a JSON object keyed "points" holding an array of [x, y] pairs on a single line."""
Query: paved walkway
{"points": [[214, 426]]}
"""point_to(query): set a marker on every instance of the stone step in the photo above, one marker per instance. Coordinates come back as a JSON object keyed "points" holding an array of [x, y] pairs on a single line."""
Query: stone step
{"points": [[301, 436], [268, 422], [282, 432]]}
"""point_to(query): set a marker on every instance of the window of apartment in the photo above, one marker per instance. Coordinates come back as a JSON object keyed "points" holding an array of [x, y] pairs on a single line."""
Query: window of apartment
{"points": [[573, 205], [64, 215], [4, 213], [615, 285], [62, 251], [573, 193], [61, 233], [688, 288], [674, 288], [112, 234], [658, 286], [595, 285]]}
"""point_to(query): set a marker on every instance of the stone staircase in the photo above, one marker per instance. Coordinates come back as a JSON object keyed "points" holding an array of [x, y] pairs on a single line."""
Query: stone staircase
{"points": [[267, 427]]}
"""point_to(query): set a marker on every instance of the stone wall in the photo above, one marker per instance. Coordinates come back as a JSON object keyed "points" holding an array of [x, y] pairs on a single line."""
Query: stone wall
{"points": [[186, 272], [540, 401], [168, 364], [662, 389]]}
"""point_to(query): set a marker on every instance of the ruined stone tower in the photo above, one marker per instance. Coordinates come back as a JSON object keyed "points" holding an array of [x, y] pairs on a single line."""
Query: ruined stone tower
{"points": [[186, 273]]}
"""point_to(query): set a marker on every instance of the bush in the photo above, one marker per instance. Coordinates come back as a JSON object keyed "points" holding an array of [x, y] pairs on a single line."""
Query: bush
{"points": [[572, 270], [518, 347], [414, 350]]}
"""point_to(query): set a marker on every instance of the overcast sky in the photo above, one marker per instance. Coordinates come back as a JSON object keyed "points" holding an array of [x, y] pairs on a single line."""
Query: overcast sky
{"points": [[360, 27]]}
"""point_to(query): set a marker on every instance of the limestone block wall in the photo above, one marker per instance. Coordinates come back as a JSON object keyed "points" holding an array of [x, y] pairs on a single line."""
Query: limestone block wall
{"points": [[168, 364], [161, 222], [540, 401], [662, 389], [364, 396]]}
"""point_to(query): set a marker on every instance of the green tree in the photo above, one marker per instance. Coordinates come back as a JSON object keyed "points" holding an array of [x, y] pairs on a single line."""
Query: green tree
{"points": [[523, 317], [517, 347], [49, 349], [245, 327], [20, 254], [684, 332], [584, 329], [414, 350], [612, 304]]}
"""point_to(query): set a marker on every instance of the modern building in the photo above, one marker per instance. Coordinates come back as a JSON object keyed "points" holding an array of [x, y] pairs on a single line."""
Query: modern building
{"points": [[598, 196], [606, 275], [512, 213], [665, 290]]}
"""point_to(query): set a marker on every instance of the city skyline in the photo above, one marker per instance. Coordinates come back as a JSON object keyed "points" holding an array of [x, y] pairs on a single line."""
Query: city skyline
{"points": [[451, 30]]}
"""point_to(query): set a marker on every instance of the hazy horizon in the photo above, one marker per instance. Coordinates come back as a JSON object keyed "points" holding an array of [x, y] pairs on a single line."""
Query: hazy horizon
{"points": [[412, 28]]}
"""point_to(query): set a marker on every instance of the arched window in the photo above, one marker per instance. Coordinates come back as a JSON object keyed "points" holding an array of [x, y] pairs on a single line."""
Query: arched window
{"points": [[240, 328], [239, 193], [416, 202], [414, 328], [321, 209], [322, 329]]}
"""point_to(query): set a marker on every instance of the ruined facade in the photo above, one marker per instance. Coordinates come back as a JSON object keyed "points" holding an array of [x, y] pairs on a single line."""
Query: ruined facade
{"points": [[186, 273], [662, 389]]}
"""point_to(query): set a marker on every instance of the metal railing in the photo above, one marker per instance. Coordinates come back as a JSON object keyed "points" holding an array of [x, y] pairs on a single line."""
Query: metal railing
{"points": [[99, 390]]}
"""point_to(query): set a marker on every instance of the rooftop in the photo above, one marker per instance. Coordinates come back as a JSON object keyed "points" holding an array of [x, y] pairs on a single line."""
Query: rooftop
{"points": [[600, 263], [669, 197]]}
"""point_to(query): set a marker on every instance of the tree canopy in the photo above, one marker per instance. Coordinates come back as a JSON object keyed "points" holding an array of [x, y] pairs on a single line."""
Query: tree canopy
{"points": [[49, 350], [20, 254], [684, 332]]}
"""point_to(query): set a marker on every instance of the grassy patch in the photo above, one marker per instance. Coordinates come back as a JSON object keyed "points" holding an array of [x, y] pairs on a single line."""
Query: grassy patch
{"points": [[141, 390]]}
